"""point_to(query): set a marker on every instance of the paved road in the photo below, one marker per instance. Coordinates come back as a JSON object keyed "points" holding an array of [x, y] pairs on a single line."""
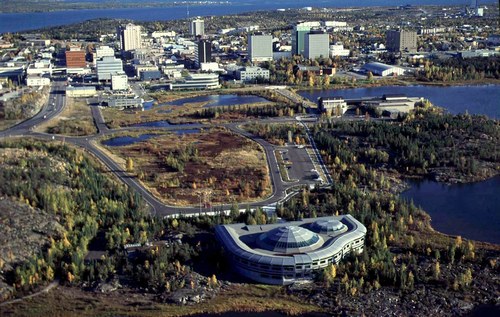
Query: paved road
{"points": [[56, 104]]}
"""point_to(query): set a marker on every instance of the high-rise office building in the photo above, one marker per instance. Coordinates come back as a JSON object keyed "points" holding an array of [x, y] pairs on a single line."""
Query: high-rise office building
{"points": [[400, 40], [130, 37], [260, 47], [203, 52], [299, 34], [75, 58], [316, 44], [197, 27]]}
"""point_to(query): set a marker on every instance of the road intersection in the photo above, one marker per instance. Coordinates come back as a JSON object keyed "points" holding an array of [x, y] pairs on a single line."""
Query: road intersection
{"points": [[57, 102]]}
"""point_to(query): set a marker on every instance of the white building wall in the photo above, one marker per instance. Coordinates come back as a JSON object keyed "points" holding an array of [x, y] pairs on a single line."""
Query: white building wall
{"points": [[260, 48], [119, 82], [316, 45]]}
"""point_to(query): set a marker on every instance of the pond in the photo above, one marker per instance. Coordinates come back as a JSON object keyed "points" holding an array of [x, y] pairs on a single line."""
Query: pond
{"points": [[127, 140], [470, 210], [456, 99], [218, 100]]}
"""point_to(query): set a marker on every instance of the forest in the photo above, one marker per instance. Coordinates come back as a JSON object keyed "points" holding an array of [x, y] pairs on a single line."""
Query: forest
{"points": [[453, 69]]}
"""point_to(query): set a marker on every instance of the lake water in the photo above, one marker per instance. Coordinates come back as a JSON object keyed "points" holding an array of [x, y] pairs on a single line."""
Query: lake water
{"points": [[15, 22], [470, 210], [483, 100], [127, 140], [219, 100]]}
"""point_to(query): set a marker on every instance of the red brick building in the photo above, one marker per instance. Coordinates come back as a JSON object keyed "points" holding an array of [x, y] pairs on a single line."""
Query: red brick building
{"points": [[75, 59]]}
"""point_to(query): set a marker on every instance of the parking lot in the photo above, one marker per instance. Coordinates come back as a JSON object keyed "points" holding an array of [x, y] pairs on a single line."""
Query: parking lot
{"points": [[299, 165]]}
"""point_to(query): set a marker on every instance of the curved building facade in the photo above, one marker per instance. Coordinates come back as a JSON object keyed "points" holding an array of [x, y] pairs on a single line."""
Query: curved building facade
{"points": [[285, 253]]}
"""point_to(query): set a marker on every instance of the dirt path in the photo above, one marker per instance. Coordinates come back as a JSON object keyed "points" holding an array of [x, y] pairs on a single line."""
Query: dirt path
{"points": [[43, 291]]}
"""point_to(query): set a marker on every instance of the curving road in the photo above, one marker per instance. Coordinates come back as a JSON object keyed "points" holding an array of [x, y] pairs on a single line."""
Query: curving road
{"points": [[56, 104]]}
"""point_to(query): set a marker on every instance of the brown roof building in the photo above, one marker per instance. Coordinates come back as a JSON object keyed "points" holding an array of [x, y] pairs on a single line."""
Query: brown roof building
{"points": [[75, 59]]}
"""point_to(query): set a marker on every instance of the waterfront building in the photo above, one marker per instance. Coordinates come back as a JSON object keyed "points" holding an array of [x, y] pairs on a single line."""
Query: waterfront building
{"points": [[197, 27], [401, 41], [260, 48], [334, 105], [130, 37], [316, 45], [285, 253], [382, 69], [107, 66], [197, 81]]}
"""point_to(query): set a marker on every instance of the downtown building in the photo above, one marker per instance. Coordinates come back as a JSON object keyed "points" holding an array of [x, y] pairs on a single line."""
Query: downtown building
{"points": [[401, 41], [298, 37], [197, 27], [202, 52], [130, 37], [108, 66], [260, 48], [316, 45], [75, 58], [285, 253]]}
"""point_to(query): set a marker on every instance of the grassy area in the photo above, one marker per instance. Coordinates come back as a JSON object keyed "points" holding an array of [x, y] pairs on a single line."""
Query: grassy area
{"points": [[217, 164], [5, 124], [75, 120], [65, 301]]}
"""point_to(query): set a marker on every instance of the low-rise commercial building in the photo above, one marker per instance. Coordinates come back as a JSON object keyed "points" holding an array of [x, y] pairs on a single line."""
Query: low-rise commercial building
{"points": [[75, 58], [107, 66], [37, 81], [285, 253], [119, 81], [80, 92], [338, 50], [382, 69], [251, 74], [334, 105], [197, 81]]}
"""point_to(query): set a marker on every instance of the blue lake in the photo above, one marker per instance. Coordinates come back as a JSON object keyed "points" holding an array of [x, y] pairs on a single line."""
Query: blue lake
{"points": [[483, 100], [127, 140], [470, 210], [219, 100], [15, 22]]}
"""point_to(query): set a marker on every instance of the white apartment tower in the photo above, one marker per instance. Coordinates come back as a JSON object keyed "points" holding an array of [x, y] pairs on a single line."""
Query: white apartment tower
{"points": [[130, 37], [260, 48], [197, 27]]}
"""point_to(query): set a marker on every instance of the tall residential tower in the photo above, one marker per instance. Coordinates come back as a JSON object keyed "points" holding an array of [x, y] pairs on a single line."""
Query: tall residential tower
{"points": [[197, 27], [130, 37]]}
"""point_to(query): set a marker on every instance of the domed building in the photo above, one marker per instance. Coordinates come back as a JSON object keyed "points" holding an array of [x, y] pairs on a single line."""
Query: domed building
{"points": [[285, 253]]}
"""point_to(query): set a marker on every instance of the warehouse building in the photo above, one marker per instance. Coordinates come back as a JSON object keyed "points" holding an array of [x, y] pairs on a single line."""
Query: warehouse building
{"points": [[382, 69]]}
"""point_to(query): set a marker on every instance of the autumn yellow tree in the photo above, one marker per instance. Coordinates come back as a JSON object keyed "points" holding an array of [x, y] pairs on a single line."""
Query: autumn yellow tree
{"points": [[129, 165]]}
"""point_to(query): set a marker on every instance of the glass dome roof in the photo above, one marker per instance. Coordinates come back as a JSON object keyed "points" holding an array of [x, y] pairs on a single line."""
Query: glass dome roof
{"points": [[289, 239], [327, 226]]}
